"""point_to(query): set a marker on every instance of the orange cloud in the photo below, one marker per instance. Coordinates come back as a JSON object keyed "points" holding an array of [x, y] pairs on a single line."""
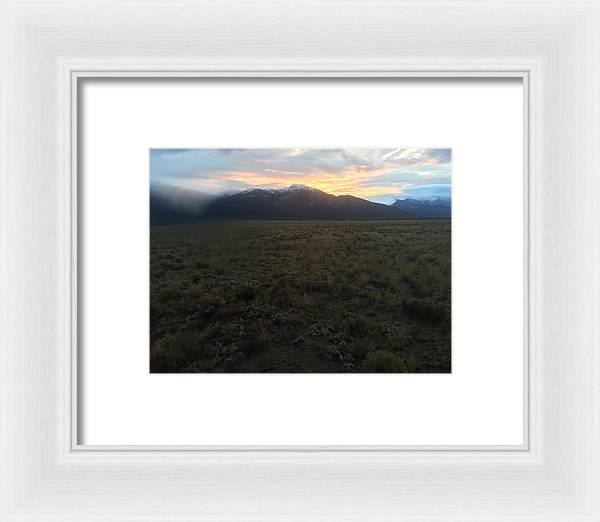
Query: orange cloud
{"points": [[348, 182]]}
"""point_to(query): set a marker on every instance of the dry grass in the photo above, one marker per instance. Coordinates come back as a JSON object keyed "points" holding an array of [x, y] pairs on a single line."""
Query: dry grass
{"points": [[301, 296]]}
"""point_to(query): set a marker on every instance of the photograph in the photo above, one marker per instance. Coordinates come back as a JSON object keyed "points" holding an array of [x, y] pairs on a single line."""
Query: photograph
{"points": [[300, 260]]}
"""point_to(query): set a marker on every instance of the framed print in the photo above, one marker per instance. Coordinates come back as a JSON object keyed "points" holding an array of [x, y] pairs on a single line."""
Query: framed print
{"points": [[327, 299], [278, 262]]}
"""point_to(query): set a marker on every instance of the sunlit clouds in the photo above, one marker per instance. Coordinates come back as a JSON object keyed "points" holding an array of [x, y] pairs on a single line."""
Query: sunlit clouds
{"points": [[381, 175]]}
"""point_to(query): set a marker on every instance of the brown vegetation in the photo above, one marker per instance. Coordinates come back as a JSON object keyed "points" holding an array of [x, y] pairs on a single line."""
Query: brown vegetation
{"points": [[301, 296]]}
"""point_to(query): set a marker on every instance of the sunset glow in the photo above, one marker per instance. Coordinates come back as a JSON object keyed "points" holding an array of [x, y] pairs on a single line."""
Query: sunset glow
{"points": [[380, 175]]}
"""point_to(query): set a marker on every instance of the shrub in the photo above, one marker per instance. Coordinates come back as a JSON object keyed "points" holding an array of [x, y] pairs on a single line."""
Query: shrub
{"points": [[173, 351], [313, 286], [320, 330], [280, 319], [218, 358], [426, 310], [190, 351], [169, 293], [232, 331], [359, 350], [337, 352], [256, 336], [210, 304], [355, 325], [246, 291], [382, 361], [205, 303], [281, 294], [378, 282], [256, 309]]}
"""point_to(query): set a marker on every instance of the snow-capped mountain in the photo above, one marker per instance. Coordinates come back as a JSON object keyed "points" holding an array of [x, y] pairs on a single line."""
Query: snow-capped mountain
{"points": [[293, 202], [298, 202], [435, 207]]}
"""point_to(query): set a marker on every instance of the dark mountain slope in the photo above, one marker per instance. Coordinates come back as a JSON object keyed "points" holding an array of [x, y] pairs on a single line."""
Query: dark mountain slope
{"points": [[298, 202], [431, 208]]}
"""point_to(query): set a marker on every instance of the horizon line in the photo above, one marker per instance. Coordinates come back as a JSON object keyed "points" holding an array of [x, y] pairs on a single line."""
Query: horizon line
{"points": [[299, 185]]}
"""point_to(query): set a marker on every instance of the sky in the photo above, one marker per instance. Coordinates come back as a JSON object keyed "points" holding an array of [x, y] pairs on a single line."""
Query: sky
{"points": [[380, 175]]}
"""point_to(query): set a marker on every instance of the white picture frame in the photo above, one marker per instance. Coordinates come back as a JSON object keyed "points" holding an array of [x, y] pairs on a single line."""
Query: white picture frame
{"points": [[551, 45]]}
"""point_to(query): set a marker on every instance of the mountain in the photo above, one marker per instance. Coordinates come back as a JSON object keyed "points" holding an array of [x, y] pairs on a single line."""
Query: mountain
{"points": [[172, 205], [425, 208], [298, 202]]}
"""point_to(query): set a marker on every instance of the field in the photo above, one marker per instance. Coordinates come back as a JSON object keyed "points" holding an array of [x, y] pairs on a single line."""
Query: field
{"points": [[301, 296]]}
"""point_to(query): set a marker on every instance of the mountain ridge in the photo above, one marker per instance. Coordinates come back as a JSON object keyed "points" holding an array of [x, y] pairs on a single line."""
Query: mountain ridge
{"points": [[436, 207], [293, 202], [297, 202]]}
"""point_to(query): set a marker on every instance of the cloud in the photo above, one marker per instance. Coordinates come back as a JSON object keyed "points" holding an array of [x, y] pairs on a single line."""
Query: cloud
{"points": [[427, 192], [370, 173]]}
